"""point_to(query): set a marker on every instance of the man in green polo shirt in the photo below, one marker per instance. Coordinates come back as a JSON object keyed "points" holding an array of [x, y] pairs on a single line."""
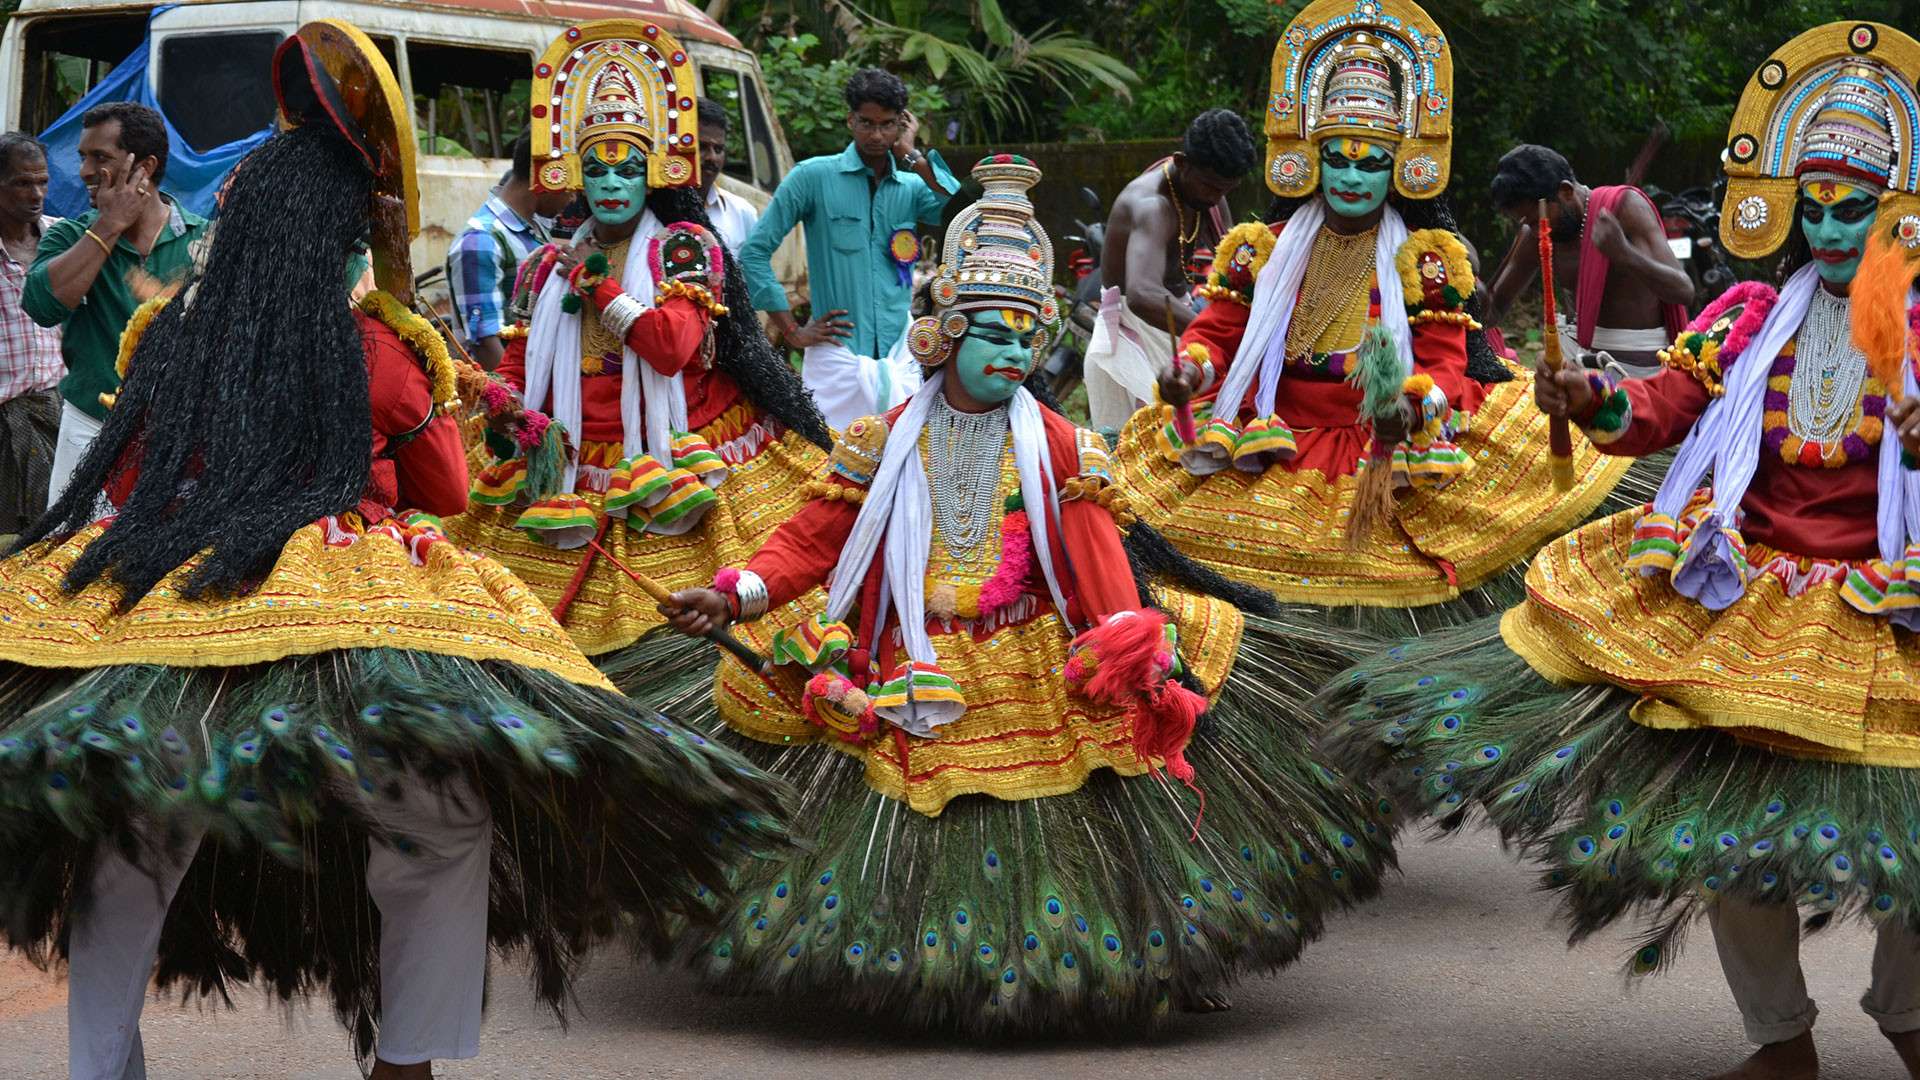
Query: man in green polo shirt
{"points": [[861, 208], [87, 269]]}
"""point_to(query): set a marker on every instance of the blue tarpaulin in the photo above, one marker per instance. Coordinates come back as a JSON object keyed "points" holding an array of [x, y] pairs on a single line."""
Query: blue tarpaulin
{"points": [[193, 177]]}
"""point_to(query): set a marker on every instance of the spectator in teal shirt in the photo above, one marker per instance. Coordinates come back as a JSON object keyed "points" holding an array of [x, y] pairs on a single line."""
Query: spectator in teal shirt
{"points": [[860, 207]]}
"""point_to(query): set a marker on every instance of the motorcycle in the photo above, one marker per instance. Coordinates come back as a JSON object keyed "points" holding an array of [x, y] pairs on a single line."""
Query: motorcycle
{"points": [[1081, 305], [1691, 219]]}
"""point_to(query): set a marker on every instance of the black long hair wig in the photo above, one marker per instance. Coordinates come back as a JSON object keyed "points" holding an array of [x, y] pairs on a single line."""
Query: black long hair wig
{"points": [[1436, 213], [245, 406], [741, 348]]}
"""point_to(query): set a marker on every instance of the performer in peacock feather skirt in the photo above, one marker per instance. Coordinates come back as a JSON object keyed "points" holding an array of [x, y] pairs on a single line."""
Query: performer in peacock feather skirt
{"points": [[1358, 447], [355, 754], [1040, 795], [1708, 704], [668, 439]]}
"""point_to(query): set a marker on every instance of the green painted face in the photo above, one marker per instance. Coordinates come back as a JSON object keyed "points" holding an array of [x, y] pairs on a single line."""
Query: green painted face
{"points": [[616, 192], [1355, 175], [1835, 219], [994, 356], [356, 266]]}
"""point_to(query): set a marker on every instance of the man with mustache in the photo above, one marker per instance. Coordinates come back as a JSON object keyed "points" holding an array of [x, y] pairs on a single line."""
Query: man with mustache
{"points": [[1630, 296], [1178, 205], [85, 272]]}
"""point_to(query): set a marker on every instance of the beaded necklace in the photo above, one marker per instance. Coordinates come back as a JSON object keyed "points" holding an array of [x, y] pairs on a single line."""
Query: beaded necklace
{"points": [[1823, 410], [601, 350], [965, 451], [1339, 267]]}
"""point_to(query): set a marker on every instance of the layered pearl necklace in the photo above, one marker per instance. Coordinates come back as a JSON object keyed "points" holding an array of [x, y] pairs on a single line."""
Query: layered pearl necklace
{"points": [[966, 451], [1823, 410]]}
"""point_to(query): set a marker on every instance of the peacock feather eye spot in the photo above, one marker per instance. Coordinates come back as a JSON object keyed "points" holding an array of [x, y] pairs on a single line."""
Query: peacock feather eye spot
{"points": [[1817, 889], [1067, 961], [343, 753], [1346, 840], [1615, 808], [1873, 836], [1237, 894], [826, 878], [1761, 847], [1188, 902], [1112, 943], [1008, 977], [1053, 905], [1246, 854], [94, 738], [1616, 832], [1425, 681], [1080, 923], [760, 923], [986, 951], [1206, 885], [960, 917], [780, 891], [372, 713], [1776, 807], [993, 859], [1729, 841], [1156, 939], [1829, 832], [80, 712], [1030, 942], [1458, 695], [1266, 916], [131, 724], [931, 940], [1800, 832], [1306, 858], [793, 951], [1489, 753], [832, 901], [1769, 879], [1883, 902]]}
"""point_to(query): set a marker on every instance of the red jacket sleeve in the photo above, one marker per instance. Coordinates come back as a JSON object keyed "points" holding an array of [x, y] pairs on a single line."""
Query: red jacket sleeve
{"points": [[1219, 329], [802, 551], [430, 467], [1102, 582], [1661, 410], [1440, 351], [513, 366], [667, 337]]}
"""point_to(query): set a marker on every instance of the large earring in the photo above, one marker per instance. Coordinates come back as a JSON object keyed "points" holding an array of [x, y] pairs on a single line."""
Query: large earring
{"points": [[927, 343]]}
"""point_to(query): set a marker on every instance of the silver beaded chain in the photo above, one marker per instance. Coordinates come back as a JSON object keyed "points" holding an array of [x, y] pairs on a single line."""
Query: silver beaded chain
{"points": [[966, 449], [1828, 372]]}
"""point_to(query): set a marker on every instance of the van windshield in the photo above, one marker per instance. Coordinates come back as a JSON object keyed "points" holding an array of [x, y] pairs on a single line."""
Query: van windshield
{"points": [[66, 56], [469, 102], [216, 88]]}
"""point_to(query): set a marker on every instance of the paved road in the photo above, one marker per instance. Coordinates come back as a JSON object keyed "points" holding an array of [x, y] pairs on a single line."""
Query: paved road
{"points": [[1454, 973]]}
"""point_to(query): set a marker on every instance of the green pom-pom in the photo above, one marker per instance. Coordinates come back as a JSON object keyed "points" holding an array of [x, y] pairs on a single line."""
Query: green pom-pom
{"points": [[570, 303], [597, 263]]}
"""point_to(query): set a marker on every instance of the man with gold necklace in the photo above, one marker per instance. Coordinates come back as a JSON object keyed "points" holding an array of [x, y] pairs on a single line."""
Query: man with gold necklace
{"points": [[1361, 272]]}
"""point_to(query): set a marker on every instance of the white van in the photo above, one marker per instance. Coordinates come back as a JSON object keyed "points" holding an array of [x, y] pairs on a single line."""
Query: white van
{"points": [[466, 65]]}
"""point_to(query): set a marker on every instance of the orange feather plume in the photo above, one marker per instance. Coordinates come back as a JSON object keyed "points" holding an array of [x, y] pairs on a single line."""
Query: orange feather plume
{"points": [[1879, 301]]}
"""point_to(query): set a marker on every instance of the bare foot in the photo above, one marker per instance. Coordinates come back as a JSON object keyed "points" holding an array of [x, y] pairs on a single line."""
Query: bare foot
{"points": [[1907, 1045], [385, 1071], [1790, 1060]]}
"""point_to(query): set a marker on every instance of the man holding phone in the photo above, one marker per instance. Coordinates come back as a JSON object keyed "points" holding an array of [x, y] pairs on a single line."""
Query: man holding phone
{"points": [[90, 272], [861, 208]]}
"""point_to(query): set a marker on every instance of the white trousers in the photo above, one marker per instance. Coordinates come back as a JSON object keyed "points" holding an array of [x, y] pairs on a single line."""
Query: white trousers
{"points": [[1759, 947], [77, 432], [847, 386], [433, 938], [1124, 361]]}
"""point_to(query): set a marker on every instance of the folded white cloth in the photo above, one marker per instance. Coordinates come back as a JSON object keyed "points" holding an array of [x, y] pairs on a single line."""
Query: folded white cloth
{"points": [[1124, 361], [847, 387]]}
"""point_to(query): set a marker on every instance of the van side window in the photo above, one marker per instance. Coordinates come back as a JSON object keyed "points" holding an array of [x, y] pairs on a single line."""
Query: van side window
{"points": [[468, 102], [66, 57], [760, 134], [215, 88]]}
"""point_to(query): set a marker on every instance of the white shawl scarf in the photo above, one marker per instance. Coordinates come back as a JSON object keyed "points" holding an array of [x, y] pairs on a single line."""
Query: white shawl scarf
{"points": [[1262, 354], [553, 364], [899, 509]]}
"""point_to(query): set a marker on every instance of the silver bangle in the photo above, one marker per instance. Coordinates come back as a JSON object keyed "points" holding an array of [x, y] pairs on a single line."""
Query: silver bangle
{"points": [[751, 592], [620, 314]]}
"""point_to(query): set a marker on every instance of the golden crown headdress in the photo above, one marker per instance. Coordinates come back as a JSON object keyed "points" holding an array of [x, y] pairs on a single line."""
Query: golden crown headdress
{"points": [[1370, 69], [1837, 102], [997, 257], [615, 79]]}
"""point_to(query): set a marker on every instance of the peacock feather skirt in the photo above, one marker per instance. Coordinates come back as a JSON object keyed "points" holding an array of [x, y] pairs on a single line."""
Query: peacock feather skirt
{"points": [[1653, 755], [1025, 871], [370, 658]]}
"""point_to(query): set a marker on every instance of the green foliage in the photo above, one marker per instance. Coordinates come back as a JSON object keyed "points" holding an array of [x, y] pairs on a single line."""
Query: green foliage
{"points": [[807, 95]]}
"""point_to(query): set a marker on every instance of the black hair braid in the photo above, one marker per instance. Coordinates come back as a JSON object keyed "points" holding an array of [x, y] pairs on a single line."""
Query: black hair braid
{"points": [[1483, 364], [741, 349], [245, 412]]}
